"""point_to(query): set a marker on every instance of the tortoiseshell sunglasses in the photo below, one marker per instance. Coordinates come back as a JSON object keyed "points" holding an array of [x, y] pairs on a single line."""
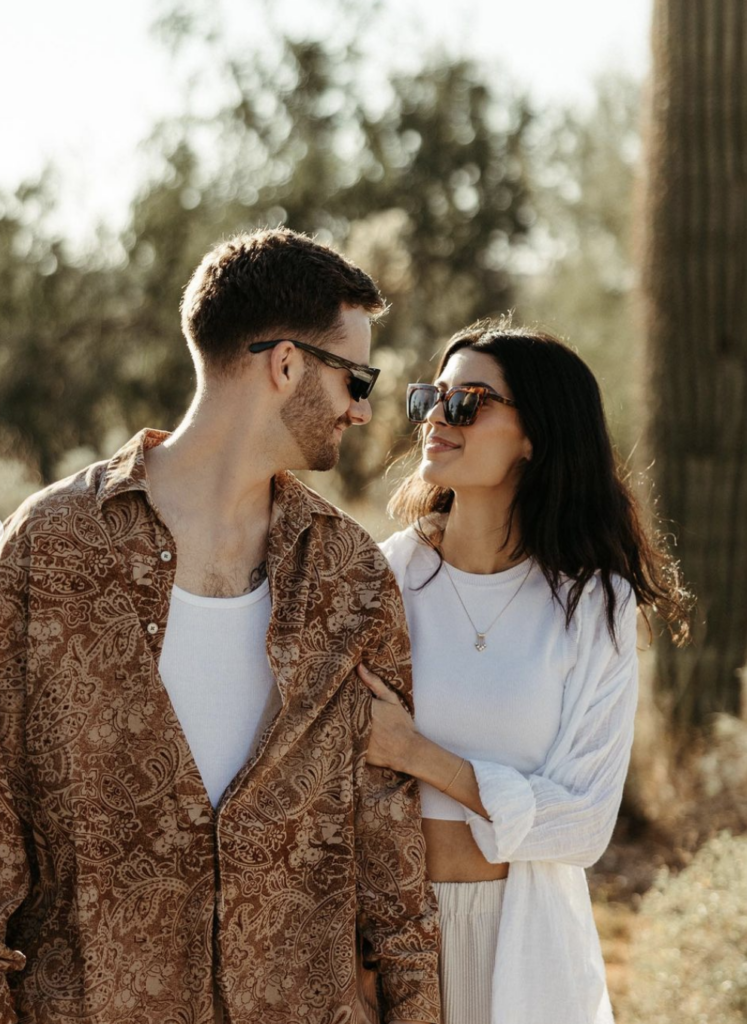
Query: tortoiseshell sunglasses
{"points": [[461, 403]]}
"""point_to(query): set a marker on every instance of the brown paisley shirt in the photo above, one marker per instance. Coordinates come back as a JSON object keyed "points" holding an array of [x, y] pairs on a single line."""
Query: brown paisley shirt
{"points": [[123, 894]]}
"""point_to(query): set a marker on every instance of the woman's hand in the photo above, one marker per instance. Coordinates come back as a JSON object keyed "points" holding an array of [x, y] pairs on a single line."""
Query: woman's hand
{"points": [[396, 743], [393, 733]]}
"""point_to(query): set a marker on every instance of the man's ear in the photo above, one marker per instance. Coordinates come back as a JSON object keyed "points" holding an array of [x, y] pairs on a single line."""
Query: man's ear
{"points": [[286, 365]]}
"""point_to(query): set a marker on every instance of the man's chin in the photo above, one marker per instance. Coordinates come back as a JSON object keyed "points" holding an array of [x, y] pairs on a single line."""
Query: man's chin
{"points": [[326, 460], [321, 460], [329, 454], [320, 450]]}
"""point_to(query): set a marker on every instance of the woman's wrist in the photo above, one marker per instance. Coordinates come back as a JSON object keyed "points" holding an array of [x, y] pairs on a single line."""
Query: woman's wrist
{"points": [[427, 761], [412, 755]]}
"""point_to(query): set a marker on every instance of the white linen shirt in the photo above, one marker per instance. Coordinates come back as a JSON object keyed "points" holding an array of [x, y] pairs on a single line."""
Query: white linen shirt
{"points": [[555, 822]]}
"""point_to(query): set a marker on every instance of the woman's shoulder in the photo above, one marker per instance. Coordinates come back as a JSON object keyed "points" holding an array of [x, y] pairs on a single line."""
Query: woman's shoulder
{"points": [[592, 612], [596, 592], [397, 541], [413, 535], [404, 545], [399, 549]]}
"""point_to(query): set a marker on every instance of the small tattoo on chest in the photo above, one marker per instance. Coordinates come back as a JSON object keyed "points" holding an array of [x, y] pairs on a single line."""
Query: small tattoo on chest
{"points": [[257, 576]]}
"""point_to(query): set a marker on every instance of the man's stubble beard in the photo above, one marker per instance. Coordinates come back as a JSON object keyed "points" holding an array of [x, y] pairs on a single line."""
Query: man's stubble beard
{"points": [[310, 419]]}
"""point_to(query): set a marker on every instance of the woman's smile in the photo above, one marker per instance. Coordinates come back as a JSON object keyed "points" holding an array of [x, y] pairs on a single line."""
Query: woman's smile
{"points": [[439, 444]]}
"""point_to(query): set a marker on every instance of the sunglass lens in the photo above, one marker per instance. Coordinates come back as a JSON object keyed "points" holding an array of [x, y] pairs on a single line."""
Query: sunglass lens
{"points": [[360, 388], [420, 401], [461, 408]]}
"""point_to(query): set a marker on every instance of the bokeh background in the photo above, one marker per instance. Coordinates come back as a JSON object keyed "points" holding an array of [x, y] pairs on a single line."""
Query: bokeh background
{"points": [[581, 164]]}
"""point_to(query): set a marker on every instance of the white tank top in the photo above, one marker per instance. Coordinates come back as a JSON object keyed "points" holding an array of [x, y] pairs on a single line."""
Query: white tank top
{"points": [[502, 704], [215, 669]]}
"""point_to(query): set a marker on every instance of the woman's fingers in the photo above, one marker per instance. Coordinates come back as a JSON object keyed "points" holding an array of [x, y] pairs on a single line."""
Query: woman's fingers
{"points": [[392, 727], [377, 685]]}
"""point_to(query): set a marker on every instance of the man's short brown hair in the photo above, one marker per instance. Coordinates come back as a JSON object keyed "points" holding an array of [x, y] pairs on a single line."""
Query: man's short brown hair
{"points": [[269, 282]]}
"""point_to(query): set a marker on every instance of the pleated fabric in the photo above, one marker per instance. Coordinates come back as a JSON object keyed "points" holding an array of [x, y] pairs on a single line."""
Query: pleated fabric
{"points": [[470, 916]]}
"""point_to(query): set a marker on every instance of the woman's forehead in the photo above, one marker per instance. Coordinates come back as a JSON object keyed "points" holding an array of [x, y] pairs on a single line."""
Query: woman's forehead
{"points": [[468, 366]]}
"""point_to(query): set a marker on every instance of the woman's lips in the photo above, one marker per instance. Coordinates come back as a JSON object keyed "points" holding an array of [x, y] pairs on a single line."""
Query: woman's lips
{"points": [[439, 444]]}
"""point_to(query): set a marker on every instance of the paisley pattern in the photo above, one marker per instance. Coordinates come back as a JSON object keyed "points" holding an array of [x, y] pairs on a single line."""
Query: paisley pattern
{"points": [[124, 890]]}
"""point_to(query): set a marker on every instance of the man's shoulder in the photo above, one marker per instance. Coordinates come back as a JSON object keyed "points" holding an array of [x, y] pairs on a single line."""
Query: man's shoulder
{"points": [[76, 492], [333, 525]]}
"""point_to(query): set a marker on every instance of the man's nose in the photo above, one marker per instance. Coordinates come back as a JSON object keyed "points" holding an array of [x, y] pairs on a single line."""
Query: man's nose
{"points": [[360, 412]]}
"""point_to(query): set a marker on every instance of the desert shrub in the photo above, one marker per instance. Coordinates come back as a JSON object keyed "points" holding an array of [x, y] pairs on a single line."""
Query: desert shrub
{"points": [[689, 955]]}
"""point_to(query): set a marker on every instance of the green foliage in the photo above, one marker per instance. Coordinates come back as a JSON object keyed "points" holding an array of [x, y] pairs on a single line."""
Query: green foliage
{"points": [[580, 279], [427, 194], [62, 330], [688, 961], [439, 193]]}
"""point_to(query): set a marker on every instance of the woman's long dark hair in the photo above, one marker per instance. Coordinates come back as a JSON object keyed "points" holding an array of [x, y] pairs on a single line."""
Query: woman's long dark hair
{"points": [[576, 513]]}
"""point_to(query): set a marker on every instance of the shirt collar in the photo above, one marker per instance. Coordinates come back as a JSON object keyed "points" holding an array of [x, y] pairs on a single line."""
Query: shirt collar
{"points": [[293, 506], [125, 471], [293, 503]]}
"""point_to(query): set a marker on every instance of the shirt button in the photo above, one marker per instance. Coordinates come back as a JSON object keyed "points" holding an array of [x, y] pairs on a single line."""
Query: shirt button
{"points": [[166, 556], [152, 628]]}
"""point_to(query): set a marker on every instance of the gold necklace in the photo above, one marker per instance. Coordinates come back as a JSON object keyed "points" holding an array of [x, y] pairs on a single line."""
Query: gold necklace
{"points": [[480, 641]]}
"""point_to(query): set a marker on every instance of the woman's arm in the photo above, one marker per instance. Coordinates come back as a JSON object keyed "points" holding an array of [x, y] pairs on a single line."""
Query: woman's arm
{"points": [[567, 812], [395, 743]]}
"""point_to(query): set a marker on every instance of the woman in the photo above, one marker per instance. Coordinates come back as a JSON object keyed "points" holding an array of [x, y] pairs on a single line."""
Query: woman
{"points": [[522, 566]]}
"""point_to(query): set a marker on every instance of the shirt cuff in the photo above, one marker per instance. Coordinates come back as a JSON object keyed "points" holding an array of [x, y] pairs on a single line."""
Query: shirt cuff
{"points": [[411, 995], [509, 800]]}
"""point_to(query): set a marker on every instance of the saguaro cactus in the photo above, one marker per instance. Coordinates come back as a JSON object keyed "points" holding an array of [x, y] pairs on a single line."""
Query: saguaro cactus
{"points": [[694, 280]]}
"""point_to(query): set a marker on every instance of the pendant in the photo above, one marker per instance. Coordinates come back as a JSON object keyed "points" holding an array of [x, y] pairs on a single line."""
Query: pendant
{"points": [[480, 644]]}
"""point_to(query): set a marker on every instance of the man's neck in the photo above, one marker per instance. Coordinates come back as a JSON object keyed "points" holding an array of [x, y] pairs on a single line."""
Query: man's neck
{"points": [[213, 490], [211, 469], [202, 485]]}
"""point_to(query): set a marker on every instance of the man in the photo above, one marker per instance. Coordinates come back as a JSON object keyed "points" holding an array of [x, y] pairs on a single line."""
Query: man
{"points": [[187, 823]]}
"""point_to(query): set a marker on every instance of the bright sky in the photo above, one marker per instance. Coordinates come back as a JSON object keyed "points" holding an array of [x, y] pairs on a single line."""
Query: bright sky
{"points": [[82, 81]]}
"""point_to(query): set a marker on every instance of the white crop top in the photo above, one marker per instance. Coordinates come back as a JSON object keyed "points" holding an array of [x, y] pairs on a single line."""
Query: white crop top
{"points": [[501, 704], [214, 666]]}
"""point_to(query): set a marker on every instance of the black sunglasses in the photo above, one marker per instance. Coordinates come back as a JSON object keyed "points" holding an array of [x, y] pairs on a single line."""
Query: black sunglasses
{"points": [[461, 403], [362, 378]]}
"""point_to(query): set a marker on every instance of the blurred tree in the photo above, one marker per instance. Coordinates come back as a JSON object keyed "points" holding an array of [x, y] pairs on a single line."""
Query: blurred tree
{"points": [[166, 238], [576, 273], [63, 330], [694, 283], [454, 194], [436, 179], [421, 177]]}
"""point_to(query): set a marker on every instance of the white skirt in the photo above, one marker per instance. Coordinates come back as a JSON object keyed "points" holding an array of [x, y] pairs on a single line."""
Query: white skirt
{"points": [[470, 915]]}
